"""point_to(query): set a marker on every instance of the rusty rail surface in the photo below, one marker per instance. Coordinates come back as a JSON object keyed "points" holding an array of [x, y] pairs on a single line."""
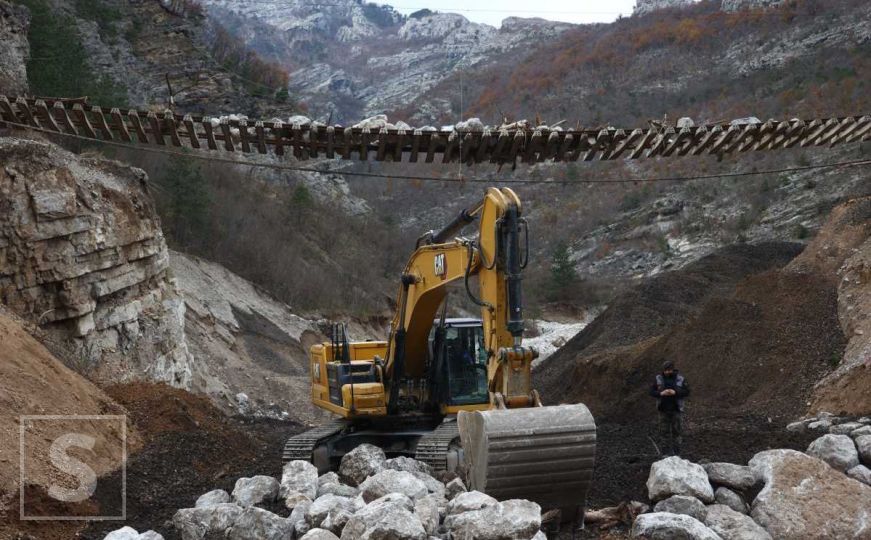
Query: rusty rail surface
{"points": [[494, 146]]}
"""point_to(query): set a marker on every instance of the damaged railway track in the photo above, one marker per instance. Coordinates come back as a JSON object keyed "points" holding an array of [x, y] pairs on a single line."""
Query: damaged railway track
{"points": [[506, 144]]}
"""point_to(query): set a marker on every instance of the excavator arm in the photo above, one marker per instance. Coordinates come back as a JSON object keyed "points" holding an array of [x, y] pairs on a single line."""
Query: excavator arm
{"points": [[515, 447], [495, 260]]}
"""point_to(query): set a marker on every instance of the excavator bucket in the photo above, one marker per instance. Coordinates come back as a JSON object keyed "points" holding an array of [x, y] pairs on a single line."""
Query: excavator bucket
{"points": [[543, 454]]}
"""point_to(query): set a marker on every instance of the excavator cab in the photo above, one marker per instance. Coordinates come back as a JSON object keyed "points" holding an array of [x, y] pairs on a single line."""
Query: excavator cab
{"points": [[459, 359]]}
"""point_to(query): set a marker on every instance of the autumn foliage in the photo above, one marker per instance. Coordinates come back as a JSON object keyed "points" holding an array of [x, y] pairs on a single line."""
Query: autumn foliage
{"points": [[262, 75]]}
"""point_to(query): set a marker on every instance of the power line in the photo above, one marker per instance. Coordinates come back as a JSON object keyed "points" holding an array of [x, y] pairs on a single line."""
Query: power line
{"points": [[282, 167]]}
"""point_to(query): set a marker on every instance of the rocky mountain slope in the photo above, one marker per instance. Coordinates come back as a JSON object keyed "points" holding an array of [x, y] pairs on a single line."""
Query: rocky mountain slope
{"points": [[350, 60], [14, 48]]}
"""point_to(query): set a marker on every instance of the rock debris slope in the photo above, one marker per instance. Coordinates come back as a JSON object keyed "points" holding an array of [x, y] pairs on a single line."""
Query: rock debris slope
{"points": [[252, 350]]}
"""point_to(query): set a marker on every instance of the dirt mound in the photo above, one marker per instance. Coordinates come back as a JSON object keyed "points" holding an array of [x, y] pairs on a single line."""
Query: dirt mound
{"points": [[33, 382], [748, 337], [191, 447]]}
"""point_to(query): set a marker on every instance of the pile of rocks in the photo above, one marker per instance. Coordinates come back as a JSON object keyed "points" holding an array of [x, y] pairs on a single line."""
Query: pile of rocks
{"points": [[371, 497], [847, 445], [780, 494]]}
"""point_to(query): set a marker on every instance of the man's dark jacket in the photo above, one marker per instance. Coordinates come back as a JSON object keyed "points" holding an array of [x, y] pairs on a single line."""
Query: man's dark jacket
{"points": [[675, 382]]}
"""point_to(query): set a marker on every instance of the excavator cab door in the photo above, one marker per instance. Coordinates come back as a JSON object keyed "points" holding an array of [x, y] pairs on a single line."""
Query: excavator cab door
{"points": [[460, 356]]}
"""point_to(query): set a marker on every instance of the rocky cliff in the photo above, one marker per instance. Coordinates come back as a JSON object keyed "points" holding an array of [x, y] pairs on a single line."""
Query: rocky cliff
{"points": [[82, 255], [643, 7], [14, 48], [353, 60]]}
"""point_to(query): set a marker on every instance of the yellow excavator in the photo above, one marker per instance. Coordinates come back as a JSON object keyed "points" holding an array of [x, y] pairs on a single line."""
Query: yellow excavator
{"points": [[455, 393]]}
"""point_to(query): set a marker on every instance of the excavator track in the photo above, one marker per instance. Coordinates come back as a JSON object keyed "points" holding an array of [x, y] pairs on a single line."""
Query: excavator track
{"points": [[301, 446], [433, 447]]}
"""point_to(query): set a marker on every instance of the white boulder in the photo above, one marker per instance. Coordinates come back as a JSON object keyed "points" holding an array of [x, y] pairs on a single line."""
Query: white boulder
{"points": [[202, 523], [845, 428], [361, 463], [676, 476], [391, 481], [860, 473], [387, 518], [803, 497], [124, 533], [470, 500], [255, 490], [427, 510], [682, 504], [454, 488], [216, 496], [259, 524], [664, 526], [729, 475], [299, 482], [839, 451], [732, 525], [863, 445], [330, 506], [727, 497], [506, 520], [407, 464], [319, 534]]}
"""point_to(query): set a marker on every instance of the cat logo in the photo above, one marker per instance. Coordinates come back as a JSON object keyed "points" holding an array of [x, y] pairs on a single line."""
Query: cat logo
{"points": [[441, 267]]}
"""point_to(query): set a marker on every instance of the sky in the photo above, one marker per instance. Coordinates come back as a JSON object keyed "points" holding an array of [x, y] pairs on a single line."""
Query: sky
{"points": [[493, 11]]}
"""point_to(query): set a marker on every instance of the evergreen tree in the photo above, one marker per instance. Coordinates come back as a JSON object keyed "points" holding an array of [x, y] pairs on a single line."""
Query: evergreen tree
{"points": [[301, 202], [562, 272], [188, 200]]}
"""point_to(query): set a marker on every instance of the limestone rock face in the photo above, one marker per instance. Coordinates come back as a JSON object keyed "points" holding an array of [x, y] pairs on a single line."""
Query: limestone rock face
{"points": [[664, 526], [803, 497], [83, 255], [836, 450], [737, 5], [732, 525], [676, 476], [643, 7]]}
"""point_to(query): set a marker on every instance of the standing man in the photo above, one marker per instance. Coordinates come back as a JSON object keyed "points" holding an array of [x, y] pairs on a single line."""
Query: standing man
{"points": [[670, 389]]}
